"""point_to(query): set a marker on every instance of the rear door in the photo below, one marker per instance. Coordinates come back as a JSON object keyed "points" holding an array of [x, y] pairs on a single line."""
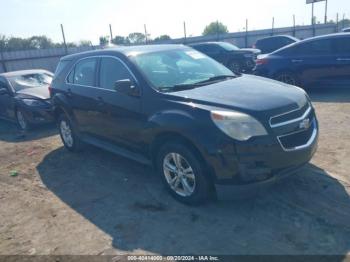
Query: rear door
{"points": [[343, 61], [81, 85], [315, 62]]}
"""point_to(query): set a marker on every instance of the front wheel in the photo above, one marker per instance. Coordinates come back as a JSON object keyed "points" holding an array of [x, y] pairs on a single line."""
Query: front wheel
{"points": [[235, 67], [183, 173], [22, 121]]}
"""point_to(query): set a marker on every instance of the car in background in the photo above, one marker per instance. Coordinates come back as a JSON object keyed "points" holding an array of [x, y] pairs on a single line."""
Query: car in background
{"points": [[272, 43], [25, 98], [236, 59], [315, 62], [346, 30], [201, 126]]}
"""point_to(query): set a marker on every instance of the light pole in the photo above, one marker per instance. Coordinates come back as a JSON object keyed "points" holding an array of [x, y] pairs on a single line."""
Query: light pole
{"points": [[325, 13]]}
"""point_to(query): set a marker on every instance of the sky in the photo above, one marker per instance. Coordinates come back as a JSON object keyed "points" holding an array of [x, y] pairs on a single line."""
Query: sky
{"points": [[90, 19]]}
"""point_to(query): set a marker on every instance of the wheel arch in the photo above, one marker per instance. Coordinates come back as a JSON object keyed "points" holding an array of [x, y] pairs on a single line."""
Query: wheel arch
{"points": [[173, 136]]}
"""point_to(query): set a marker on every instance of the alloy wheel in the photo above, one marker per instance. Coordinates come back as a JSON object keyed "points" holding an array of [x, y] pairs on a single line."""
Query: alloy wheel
{"points": [[179, 174], [66, 133], [21, 120]]}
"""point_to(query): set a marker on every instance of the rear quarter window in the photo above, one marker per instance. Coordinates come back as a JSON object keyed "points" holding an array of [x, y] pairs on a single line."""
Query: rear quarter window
{"points": [[61, 65]]}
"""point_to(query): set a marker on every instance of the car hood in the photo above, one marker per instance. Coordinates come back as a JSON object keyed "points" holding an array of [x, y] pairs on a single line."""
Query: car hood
{"points": [[250, 94], [34, 92]]}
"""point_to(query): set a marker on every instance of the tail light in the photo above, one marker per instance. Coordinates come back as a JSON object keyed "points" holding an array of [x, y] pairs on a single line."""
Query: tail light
{"points": [[263, 61]]}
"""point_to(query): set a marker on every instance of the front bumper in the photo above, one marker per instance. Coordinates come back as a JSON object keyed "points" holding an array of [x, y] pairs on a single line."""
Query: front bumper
{"points": [[37, 116], [259, 160]]}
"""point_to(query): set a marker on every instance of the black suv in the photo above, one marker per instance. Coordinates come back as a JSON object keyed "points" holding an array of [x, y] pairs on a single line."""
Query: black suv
{"points": [[200, 125], [236, 59]]}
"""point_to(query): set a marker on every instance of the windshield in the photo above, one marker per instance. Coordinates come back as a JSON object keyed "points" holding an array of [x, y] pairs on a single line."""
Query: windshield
{"points": [[168, 69], [228, 46], [21, 82]]}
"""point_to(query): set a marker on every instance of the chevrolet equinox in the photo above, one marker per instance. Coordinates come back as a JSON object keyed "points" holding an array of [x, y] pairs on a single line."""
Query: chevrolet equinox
{"points": [[201, 126]]}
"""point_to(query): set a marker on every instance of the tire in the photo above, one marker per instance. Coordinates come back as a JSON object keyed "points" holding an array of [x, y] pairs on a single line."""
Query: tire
{"points": [[21, 120], [288, 78], [69, 136], [235, 67], [190, 187]]}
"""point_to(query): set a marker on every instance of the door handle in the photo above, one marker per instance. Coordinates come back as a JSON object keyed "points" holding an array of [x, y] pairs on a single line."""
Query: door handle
{"points": [[343, 59], [297, 60]]}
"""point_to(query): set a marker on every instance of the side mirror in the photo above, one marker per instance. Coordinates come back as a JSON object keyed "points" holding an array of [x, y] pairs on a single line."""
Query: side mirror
{"points": [[126, 86], [3, 91]]}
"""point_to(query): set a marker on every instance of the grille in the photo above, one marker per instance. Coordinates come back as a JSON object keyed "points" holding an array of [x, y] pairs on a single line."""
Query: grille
{"points": [[292, 116], [300, 138]]}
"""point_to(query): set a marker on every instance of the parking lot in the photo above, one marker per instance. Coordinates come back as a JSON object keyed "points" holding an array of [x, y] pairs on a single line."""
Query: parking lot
{"points": [[56, 202]]}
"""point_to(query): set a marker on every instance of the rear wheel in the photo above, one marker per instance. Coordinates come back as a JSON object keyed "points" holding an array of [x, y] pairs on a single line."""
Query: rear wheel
{"points": [[183, 173], [68, 135]]}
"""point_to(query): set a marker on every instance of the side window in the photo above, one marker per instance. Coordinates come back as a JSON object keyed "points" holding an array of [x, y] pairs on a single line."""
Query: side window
{"points": [[343, 45], [61, 65], [84, 72], [318, 47], [112, 70], [213, 49]]}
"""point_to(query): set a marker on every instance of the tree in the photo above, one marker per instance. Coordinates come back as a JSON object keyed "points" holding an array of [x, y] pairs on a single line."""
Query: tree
{"points": [[40, 42], [104, 40], [137, 38], [120, 40], [84, 43], [162, 38], [2, 42], [215, 28]]}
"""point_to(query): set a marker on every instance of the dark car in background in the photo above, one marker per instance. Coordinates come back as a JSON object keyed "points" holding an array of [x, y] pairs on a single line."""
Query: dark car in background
{"points": [[322, 61], [236, 59], [201, 126], [272, 43], [25, 98], [346, 30]]}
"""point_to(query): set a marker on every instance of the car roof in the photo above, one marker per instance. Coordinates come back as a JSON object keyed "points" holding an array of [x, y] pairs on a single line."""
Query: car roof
{"points": [[127, 50], [278, 36], [329, 36], [24, 72], [207, 43]]}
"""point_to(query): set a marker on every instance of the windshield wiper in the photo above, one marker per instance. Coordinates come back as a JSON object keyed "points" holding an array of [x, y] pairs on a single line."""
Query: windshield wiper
{"points": [[217, 78], [194, 85]]}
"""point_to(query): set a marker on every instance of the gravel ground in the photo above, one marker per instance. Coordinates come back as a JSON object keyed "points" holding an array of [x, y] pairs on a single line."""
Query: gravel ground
{"points": [[98, 203]]}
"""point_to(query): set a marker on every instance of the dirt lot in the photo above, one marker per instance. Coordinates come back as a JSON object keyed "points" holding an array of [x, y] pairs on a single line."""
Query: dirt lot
{"points": [[98, 203]]}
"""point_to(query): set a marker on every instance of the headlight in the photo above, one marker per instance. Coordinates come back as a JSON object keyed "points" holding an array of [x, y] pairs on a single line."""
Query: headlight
{"points": [[237, 125], [33, 102]]}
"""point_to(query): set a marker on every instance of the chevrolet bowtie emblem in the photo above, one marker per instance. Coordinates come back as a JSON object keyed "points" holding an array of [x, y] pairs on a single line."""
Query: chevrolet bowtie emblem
{"points": [[305, 124]]}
